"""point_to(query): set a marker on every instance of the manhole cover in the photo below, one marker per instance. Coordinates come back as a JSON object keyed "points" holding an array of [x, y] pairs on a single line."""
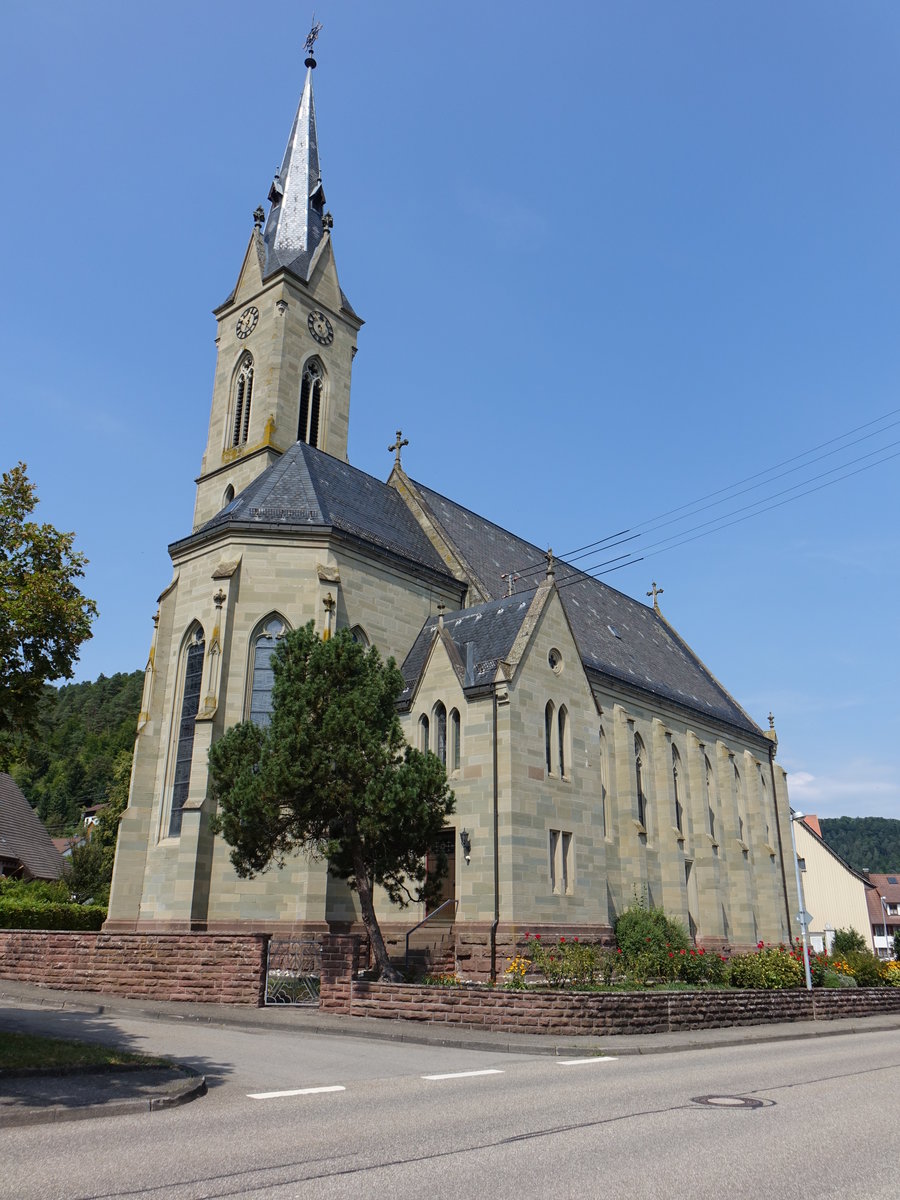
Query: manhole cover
{"points": [[731, 1102]]}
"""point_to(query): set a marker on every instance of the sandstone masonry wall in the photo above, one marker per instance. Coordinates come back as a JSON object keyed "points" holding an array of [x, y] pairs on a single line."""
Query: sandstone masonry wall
{"points": [[205, 968]]}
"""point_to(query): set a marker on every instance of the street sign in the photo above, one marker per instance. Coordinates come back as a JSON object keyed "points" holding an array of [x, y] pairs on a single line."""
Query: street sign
{"points": [[803, 917]]}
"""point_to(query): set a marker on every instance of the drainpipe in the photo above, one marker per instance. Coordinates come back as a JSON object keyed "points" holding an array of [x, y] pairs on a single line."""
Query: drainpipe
{"points": [[787, 901], [496, 920]]}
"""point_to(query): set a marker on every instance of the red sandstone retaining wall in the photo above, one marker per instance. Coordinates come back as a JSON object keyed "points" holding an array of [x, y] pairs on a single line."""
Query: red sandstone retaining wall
{"points": [[581, 1013], [209, 968]]}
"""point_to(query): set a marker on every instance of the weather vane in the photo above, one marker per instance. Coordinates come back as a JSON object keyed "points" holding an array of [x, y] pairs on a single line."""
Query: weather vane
{"points": [[310, 42]]}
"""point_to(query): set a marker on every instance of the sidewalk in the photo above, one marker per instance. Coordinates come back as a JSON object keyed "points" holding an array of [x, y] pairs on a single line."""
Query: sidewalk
{"points": [[38, 1098]]}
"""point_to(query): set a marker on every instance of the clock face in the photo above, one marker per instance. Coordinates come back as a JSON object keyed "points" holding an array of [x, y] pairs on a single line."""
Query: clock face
{"points": [[320, 327], [247, 322]]}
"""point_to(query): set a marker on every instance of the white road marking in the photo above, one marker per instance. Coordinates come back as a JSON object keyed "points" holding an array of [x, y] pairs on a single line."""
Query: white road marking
{"points": [[463, 1074], [313, 1091], [580, 1062]]}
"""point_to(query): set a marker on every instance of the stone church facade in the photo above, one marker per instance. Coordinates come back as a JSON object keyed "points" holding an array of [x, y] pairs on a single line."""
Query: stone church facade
{"points": [[593, 756]]}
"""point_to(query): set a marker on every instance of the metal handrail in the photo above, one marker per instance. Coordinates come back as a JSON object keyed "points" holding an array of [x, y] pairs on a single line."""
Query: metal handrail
{"points": [[424, 921]]}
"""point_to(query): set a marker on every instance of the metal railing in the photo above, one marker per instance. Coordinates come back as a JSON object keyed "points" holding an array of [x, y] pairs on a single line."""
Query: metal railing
{"points": [[429, 917], [293, 971]]}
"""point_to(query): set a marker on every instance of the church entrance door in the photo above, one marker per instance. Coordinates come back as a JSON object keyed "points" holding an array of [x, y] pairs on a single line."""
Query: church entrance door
{"points": [[447, 891]]}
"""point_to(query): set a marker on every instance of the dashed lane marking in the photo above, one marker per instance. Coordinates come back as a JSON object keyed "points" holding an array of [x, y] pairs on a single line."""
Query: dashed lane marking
{"points": [[313, 1091], [464, 1074], [581, 1062]]}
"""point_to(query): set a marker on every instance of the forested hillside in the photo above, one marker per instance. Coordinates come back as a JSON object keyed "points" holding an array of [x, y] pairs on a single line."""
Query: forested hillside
{"points": [[83, 744], [865, 843]]}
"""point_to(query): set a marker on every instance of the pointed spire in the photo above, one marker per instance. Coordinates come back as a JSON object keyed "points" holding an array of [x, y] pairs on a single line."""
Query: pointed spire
{"points": [[295, 225]]}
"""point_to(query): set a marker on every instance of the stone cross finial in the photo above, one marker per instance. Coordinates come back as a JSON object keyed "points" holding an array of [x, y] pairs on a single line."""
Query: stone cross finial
{"points": [[771, 721], [654, 592], [551, 569], [510, 577], [219, 598], [442, 608], [398, 446], [259, 216]]}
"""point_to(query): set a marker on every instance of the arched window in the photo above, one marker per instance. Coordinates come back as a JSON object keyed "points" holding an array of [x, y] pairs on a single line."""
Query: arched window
{"points": [[548, 736], [190, 703], [360, 636], [639, 780], [676, 767], [423, 733], [710, 797], [263, 677], [227, 496], [741, 808], [243, 395], [604, 777], [312, 392], [563, 739], [455, 749], [440, 732]]}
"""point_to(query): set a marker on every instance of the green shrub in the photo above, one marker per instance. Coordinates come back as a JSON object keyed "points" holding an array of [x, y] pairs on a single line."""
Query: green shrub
{"points": [[770, 967], [865, 968], [834, 979], [649, 941], [847, 941], [15, 914]]}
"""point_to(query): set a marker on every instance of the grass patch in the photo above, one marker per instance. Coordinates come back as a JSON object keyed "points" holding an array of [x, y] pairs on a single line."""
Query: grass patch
{"points": [[20, 1051]]}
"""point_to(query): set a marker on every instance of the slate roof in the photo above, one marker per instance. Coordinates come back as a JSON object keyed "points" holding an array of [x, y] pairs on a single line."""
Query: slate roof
{"points": [[22, 836], [490, 628], [308, 489], [617, 636]]}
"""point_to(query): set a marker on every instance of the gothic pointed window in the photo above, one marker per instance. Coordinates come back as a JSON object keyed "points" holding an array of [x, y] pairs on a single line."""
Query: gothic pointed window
{"points": [[243, 395], [639, 756], [548, 736], [563, 740], [455, 749], [679, 811], [710, 797], [190, 704], [604, 777], [263, 678], [440, 732], [312, 395], [423, 733]]}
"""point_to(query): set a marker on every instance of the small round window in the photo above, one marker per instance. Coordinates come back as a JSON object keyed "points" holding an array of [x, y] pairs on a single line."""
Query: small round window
{"points": [[554, 658]]}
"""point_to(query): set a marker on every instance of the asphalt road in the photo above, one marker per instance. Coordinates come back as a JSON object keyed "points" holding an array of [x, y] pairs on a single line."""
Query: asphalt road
{"points": [[293, 1114]]}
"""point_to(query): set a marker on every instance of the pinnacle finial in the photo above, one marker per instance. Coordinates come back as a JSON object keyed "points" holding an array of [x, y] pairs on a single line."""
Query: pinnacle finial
{"points": [[771, 720], [551, 568], [259, 215], [310, 42]]}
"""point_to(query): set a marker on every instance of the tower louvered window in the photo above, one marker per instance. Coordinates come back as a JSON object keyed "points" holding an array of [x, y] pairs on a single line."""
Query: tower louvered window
{"points": [[312, 392], [243, 395], [190, 703]]}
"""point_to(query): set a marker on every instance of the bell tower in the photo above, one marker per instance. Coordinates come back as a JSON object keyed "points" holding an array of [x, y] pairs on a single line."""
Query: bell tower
{"points": [[286, 334]]}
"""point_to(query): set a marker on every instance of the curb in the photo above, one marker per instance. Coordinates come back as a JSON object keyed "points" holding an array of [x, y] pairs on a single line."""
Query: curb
{"points": [[191, 1087]]}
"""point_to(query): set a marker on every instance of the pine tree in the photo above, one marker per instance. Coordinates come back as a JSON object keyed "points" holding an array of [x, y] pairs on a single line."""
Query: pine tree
{"points": [[332, 774]]}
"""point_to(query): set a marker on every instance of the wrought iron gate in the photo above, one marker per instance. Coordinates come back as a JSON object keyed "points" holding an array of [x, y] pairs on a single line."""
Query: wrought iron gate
{"points": [[293, 971]]}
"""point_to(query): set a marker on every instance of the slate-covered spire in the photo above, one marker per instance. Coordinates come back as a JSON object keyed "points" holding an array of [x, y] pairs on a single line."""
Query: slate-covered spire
{"points": [[295, 225]]}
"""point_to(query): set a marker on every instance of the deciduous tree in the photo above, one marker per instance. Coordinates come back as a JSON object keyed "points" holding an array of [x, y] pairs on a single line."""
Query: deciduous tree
{"points": [[333, 775], [44, 618]]}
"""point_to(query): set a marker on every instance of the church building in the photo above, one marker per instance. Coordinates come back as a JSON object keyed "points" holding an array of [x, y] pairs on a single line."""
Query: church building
{"points": [[594, 758]]}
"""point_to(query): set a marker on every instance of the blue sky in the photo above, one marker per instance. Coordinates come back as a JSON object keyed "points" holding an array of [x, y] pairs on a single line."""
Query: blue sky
{"points": [[612, 258]]}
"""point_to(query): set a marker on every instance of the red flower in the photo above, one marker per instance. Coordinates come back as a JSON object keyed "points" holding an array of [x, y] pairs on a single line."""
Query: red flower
{"points": [[682, 952], [618, 949], [574, 939], [701, 951], [648, 939], [561, 940], [759, 945], [537, 937], [671, 954], [527, 936], [693, 952]]}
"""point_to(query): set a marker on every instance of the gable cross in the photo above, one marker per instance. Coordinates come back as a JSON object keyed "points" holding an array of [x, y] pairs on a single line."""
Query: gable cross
{"points": [[654, 592], [398, 446]]}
